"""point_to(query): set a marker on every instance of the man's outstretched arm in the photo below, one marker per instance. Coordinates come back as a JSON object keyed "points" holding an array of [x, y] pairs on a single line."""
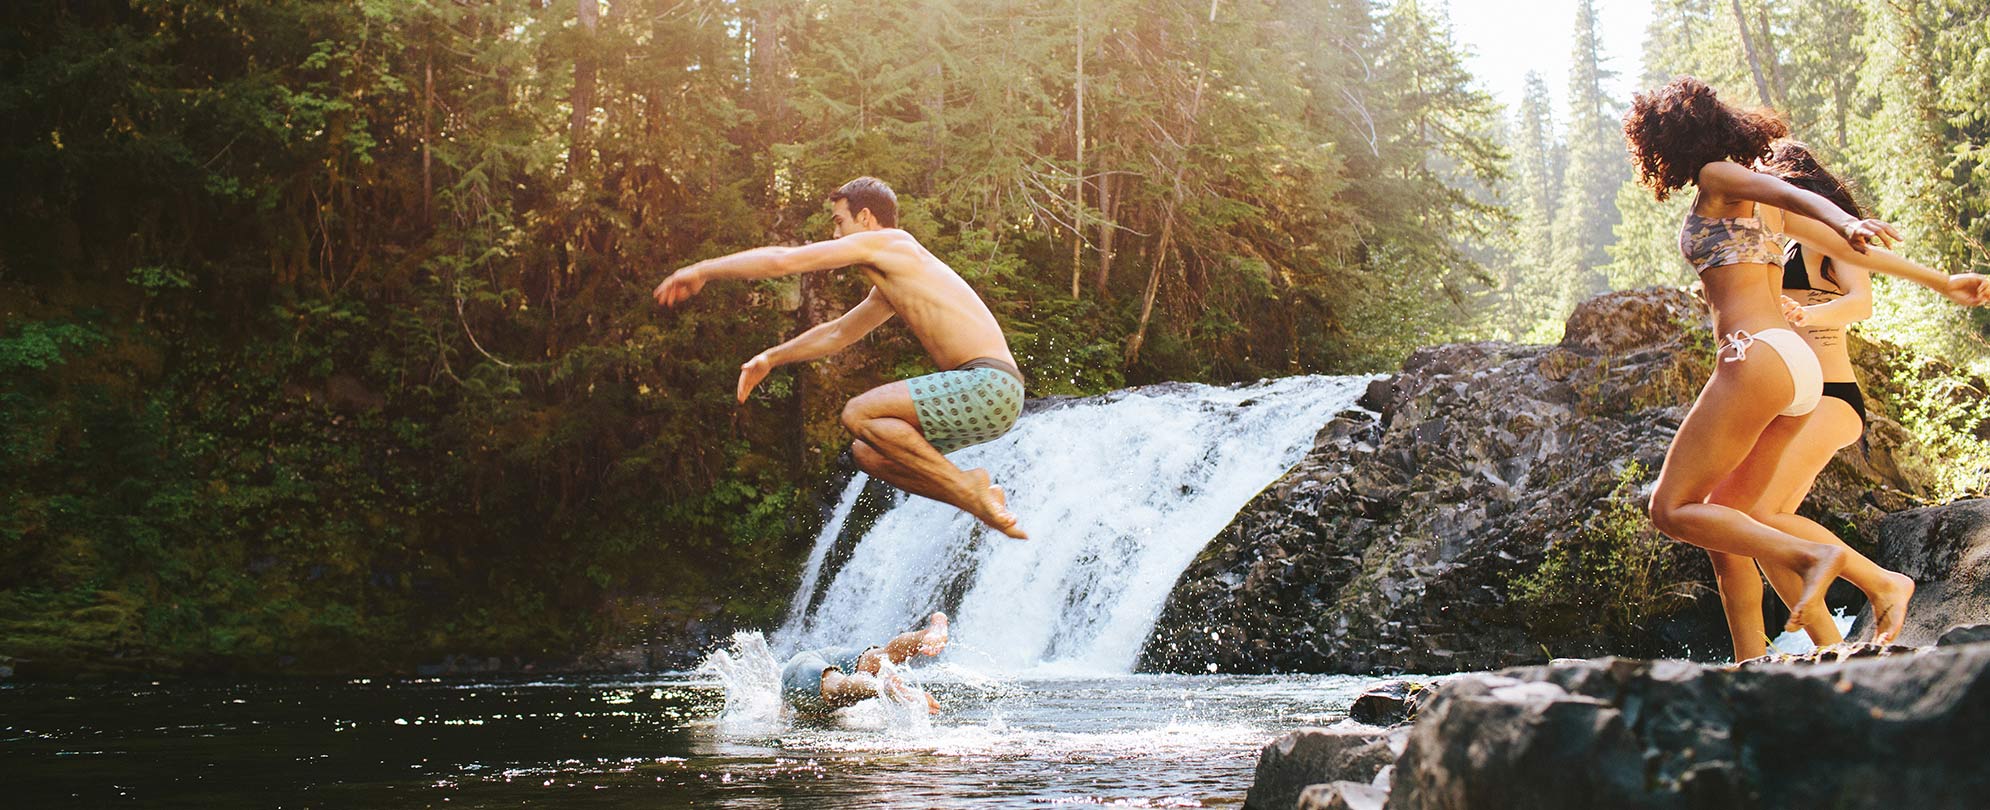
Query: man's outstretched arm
{"points": [[822, 340], [775, 260]]}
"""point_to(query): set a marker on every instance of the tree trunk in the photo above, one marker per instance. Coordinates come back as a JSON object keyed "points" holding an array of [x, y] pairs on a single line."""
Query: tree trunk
{"points": [[1153, 285], [1838, 105], [589, 13], [1774, 64], [1174, 200], [1754, 60], [1108, 227], [427, 110]]}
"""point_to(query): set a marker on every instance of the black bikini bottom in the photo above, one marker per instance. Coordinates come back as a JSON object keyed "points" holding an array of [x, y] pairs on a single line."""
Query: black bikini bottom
{"points": [[1849, 392]]}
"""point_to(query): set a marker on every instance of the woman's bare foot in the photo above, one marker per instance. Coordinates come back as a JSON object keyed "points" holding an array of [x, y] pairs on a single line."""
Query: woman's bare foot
{"points": [[992, 505], [1816, 578], [932, 706], [934, 640], [1890, 607]]}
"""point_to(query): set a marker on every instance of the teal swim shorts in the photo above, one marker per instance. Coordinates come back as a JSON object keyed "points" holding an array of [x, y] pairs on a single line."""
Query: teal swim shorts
{"points": [[975, 403]]}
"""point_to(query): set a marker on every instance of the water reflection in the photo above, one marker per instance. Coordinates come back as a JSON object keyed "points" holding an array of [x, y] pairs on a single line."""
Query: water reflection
{"points": [[1143, 741]]}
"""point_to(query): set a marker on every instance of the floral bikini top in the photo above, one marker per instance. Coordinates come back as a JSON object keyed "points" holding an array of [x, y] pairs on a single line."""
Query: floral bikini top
{"points": [[1710, 242]]}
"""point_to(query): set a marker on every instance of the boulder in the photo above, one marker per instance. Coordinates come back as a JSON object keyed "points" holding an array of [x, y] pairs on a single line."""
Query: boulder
{"points": [[1888, 730], [1343, 796], [1311, 756], [1946, 549], [1959, 634], [1390, 703]]}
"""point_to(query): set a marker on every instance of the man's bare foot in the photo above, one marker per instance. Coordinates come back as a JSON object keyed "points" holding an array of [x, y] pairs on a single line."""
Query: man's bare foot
{"points": [[1890, 607], [934, 640], [992, 505], [1816, 578]]}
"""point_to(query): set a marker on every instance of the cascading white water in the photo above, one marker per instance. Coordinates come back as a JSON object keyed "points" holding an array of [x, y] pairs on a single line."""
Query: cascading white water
{"points": [[812, 572], [1119, 493]]}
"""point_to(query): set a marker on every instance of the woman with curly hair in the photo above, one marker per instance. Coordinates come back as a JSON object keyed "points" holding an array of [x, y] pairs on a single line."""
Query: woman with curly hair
{"points": [[1825, 288], [1767, 378]]}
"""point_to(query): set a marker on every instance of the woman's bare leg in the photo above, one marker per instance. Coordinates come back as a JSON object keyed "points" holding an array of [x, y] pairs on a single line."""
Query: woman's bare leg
{"points": [[1831, 428], [1740, 584], [1739, 581], [1731, 414]]}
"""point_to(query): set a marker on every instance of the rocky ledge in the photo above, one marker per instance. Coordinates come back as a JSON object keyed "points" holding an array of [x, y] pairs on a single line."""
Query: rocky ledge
{"points": [[1882, 728], [1485, 509]]}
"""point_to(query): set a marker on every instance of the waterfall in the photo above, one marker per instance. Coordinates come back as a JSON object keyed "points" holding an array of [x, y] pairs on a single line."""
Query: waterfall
{"points": [[812, 572], [1119, 493]]}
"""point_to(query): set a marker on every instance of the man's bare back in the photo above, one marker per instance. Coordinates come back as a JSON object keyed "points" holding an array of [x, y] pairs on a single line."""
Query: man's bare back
{"points": [[949, 319]]}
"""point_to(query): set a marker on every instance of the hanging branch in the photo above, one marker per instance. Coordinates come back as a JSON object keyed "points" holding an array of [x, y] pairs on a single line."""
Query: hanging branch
{"points": [[471, 335]]}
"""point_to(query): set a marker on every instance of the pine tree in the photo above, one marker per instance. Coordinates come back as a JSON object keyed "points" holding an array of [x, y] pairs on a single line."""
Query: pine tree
{"points": [[1597, 166], [1531, 292]]}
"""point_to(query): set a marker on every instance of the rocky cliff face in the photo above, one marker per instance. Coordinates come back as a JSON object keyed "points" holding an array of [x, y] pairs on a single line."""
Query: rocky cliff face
{"points": [[1486, 510], [1946, 549]]}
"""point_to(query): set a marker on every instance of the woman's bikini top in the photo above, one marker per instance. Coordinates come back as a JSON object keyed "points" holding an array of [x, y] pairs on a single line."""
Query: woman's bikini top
{"points": [[1797, 284], [1711, 242], [1796, 276]]}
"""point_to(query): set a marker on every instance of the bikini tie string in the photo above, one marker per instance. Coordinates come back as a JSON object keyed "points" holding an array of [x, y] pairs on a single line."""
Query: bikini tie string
{"points": [[1739, 340]]}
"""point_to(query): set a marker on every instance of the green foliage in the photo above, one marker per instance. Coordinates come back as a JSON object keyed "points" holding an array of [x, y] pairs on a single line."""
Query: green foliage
{"points": [[1946, 410], [40, 344], [1615, 574]]}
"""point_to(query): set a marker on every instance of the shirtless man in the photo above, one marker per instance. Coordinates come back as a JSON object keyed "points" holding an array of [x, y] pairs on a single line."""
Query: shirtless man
{"points": [[901, 428], [817, 682]]}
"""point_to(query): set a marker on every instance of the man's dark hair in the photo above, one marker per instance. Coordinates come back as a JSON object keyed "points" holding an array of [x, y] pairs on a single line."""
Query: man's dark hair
{"points": [[869, 193]]}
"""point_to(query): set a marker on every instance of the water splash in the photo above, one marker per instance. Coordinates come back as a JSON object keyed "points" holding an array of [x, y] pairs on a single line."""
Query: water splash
{"points": [[1797, 642], [754, 708], [1119, 493], [752, 679]]}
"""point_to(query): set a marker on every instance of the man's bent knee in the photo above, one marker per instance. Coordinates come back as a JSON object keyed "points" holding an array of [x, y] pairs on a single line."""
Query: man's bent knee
{"points": [[853, 418], [866, 456]]}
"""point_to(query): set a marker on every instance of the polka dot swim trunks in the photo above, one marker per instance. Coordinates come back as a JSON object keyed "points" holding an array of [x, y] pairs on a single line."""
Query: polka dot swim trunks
{"points": [[975, 403]]}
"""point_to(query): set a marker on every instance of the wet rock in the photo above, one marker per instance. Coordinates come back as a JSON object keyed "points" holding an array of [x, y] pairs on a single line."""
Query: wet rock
{"points": [[1959, 634], [1946, 549], [1312, 756], [1343, 796], [1390, 703], [1899, 730], [1407, 539]]}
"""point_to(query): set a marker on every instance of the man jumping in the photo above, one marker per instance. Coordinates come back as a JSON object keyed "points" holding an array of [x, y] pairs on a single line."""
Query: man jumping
{"points": [[903, 428]]}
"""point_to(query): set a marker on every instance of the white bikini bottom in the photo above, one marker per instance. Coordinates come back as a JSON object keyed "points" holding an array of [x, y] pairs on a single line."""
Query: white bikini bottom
{"points": [[1806, 376]]}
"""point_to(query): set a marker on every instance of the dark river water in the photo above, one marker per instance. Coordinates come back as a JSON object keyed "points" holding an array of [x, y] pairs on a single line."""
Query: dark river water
{"points": [[646, 742]]}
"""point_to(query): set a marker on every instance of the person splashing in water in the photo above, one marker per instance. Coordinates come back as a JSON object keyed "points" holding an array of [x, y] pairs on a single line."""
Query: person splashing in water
{"points": [[817, 682], [903, 429]]}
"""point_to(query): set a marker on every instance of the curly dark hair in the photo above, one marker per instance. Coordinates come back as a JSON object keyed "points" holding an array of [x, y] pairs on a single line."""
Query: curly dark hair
{"points": [[1793, 161], [1677, 129]]}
